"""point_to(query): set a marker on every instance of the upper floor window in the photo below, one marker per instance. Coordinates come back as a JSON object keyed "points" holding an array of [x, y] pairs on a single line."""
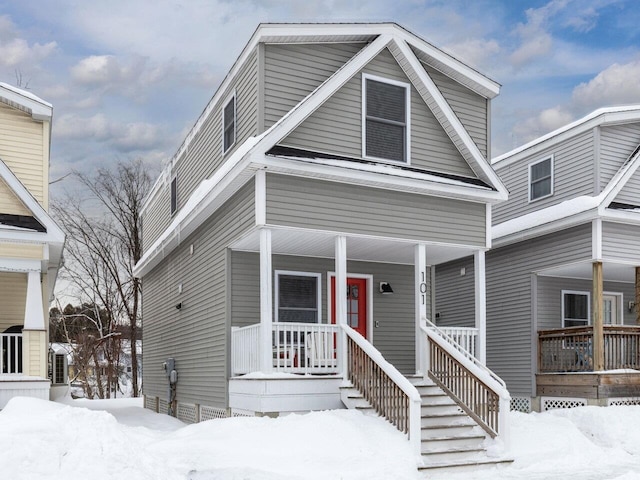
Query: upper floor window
{"points": [[541, 179], [229, 124], [174, 195], [385, 119]]}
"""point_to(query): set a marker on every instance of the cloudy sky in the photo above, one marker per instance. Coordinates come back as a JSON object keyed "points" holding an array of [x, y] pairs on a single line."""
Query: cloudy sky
{"points": [[129, 78]]}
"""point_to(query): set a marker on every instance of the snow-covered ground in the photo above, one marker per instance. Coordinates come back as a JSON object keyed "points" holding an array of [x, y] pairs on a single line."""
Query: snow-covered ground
{"points": [[118, 439]]}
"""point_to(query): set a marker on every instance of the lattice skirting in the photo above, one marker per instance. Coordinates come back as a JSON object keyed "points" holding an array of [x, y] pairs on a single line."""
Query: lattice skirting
{"points": [[552, 403], [624, 401], [188, 412], [212, 413], [521, 404], [242, 413], [151, 403], [163, 406]]}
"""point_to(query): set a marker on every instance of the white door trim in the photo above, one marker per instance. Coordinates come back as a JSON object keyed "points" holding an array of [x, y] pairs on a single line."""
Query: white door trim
{"points": [[369, 279]]}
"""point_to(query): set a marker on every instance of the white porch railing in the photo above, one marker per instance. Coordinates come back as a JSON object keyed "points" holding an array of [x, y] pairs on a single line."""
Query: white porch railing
{"points": [[481, 393], [466, 337], [303, 348], [10, 353]]}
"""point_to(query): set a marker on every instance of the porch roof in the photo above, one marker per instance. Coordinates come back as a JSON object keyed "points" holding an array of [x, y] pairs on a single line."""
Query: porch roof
{"points": [[299, 242], [612, 271]]}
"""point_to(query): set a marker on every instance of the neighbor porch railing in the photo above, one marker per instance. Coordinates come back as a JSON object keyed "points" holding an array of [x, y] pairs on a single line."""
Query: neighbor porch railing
{"points": [[476, 389], [571, 349], [10, 353], [304, 348], [466, 337], [390, 394]]}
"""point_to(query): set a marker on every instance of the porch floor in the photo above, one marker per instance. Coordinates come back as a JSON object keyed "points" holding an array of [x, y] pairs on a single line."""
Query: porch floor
{"points": [[590, 385]]}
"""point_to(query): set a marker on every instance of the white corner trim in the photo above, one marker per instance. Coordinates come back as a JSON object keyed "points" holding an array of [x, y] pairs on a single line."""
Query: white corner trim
{"points": [[261, 197], [453, 126], [488, 226], [596, 240]]}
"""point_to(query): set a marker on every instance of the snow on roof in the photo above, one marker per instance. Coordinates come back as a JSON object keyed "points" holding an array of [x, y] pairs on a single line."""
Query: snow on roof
{"points": [[25, 93], [550, 214], [598, 116]]}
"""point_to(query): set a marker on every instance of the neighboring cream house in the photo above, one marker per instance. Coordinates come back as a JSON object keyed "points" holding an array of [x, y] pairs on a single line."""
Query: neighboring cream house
{"points": [[30, 244]]}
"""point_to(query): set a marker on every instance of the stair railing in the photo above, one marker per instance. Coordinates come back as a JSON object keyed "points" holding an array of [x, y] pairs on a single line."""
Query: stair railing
{"points": [[481, 393], [388, 391]]}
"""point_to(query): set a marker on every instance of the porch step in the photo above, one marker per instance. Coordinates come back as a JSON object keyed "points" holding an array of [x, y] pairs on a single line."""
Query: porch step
{"points": [[463, 465]]}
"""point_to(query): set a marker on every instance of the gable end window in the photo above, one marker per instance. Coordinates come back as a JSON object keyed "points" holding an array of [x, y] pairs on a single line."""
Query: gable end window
{"points": [[174, 195], [576, 310], [298, 297], [229, 124], [541, 179], [385, 119]]}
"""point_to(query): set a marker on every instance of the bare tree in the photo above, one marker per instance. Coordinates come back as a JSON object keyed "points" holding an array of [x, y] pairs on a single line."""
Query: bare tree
{"points": [[102, 248]]}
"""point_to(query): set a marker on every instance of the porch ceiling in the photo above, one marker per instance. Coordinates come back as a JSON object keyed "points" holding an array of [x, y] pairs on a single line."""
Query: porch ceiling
{"points": [[298, 242], [612, 272]]}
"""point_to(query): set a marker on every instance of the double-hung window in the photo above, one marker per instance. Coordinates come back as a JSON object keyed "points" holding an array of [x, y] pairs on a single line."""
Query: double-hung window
{"points": [[541, 179], [229, 124], [385, 106], [575, 308], [298, 297]]}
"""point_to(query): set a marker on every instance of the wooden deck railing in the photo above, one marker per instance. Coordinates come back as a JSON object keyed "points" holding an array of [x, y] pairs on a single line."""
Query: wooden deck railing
{"points": [[476, 389], [571, 349], [390, 394], [10, 353]]}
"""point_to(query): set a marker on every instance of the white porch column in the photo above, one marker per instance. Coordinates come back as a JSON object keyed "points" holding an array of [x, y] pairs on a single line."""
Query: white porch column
{"points": [[266, 302], [481, 305], [34, 310], [421, 292], [341, 298]]}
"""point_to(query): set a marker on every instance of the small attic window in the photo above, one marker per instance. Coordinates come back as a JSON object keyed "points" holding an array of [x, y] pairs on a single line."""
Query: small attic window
{"points": [[229, 124], [174, 195], [385, 120], [541, 179]]}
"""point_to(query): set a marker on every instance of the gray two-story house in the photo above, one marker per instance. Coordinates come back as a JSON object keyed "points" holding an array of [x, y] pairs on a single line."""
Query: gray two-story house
{"points": [[289, 244], [563, 277]]}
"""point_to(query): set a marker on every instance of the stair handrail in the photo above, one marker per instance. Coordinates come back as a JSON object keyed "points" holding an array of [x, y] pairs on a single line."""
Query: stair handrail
{"points": [[430, 328], [415, 400]]}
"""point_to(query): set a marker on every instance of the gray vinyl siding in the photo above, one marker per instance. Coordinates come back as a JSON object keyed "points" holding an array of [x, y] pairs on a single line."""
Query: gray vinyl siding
{"points": [[395, 313], [550, 298], [317, 204], [291, 72], [196, 335], [510, 340], [455, 294], [617, 142], [204, 155], [336, 127], [573, 177], [469, 107], [621, 242]]}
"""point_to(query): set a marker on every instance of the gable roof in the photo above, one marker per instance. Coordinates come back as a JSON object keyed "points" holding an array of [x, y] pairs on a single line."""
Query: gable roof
{"points": [[253, 153], [600, 117], [26, 101]]}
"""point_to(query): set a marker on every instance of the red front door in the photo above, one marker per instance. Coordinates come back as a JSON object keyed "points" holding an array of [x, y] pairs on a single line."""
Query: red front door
{"points": [[356, 304]]}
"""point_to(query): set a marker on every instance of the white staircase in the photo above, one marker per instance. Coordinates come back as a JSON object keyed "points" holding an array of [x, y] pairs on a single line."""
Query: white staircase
{"points": [[450, 438]]}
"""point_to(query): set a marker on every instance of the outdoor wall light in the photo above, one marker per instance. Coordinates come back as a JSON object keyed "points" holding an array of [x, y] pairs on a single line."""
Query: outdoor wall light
{"points": [[385, 288], [632, 305], [179, 306]]}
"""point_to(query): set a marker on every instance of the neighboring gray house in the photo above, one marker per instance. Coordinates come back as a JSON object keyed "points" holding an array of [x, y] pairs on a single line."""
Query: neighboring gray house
{"points": [[562, 275], [289, 242]]}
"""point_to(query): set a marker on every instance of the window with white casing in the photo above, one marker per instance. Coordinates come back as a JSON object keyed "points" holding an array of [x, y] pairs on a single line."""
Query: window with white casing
{"points": [[298, 297], [174, 195], [229, 124], [541, 179], [576, 309], [385, 119]]}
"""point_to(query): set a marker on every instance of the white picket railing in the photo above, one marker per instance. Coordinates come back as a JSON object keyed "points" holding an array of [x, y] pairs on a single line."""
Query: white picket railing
{"points": [[10, 353], [466, 337], [304, 348]]}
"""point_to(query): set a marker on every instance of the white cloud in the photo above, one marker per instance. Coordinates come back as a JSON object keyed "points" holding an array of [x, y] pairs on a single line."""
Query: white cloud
{"points": [[615, 85], [543, 122], [476, 52], [18, 51], [583, 21]]}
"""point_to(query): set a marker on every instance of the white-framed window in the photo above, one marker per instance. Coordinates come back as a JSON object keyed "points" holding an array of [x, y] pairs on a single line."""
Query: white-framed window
{"points": [[612, 308], [229, 123], [541, 179], [298, 297], [174, 194], [576, 308], [385, 119]]}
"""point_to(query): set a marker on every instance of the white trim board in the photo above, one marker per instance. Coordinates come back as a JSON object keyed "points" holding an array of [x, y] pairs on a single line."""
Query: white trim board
{"points": [[369, 278]]}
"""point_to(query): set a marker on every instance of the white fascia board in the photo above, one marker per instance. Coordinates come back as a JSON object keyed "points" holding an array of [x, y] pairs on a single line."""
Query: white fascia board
{"points": [[455, 129], [19, 265], [38, 108], [621, 216], [602, 116], [54, 233], [619, 180], [424, 184]]}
